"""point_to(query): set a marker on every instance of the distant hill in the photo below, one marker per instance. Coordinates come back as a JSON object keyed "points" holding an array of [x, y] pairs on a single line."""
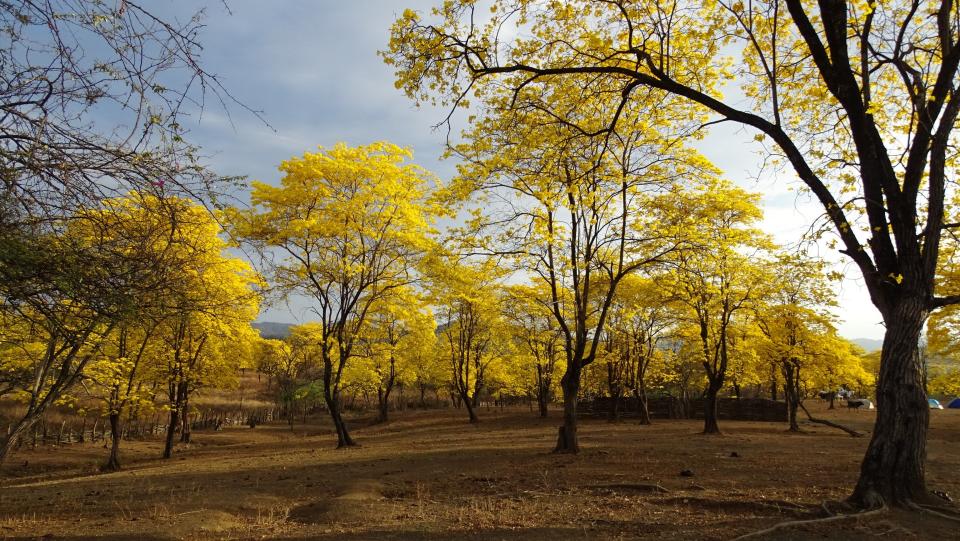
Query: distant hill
{"points": [[868, 344], [272, 329]]}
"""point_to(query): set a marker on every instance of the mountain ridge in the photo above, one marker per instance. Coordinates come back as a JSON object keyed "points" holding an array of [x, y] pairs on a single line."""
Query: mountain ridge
{"points": [[868, 344], [273, 329]]}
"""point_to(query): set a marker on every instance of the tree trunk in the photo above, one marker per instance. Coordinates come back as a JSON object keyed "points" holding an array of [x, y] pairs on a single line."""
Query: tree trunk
{"points": [[791, 376], [643, 405], [892, 471], [471, 405], [615, 410], [171, 428], [383, 392], [792, 404], [113, 462], [476, 398], [383, 405], [773, 381], [332, 400], [613, 385], [287, 409], [178, 398], [710, 413], [13, 438], [185, 421], [567, 434], [543, 391]]}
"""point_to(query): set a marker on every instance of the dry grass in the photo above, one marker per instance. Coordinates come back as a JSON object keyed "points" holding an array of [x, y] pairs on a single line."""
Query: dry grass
{"points": [[431, 475]]}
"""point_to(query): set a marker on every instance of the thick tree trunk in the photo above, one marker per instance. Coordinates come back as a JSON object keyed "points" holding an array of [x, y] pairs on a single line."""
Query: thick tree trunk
{"points": [[710, 414], [892, 471], [567, 436], [113, 462]]}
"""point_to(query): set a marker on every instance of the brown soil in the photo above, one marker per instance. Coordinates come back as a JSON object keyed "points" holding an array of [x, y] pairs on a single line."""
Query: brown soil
{"points": [[429, 475]]}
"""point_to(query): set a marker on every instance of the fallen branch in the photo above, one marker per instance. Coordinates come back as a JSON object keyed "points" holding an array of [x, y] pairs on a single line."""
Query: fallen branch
{"points": [[853, 433], [792, 523]]}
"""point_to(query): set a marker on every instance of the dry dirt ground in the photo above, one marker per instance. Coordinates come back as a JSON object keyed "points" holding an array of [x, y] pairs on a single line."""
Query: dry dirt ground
{"points": [[430, 475]]}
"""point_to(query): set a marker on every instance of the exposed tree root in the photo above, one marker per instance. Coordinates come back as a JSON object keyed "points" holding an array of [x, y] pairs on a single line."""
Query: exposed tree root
{"points": [[826, 508], [942, 509], [853, 433], [781, 507], [792, 523], [935, 511], [893, 529]]}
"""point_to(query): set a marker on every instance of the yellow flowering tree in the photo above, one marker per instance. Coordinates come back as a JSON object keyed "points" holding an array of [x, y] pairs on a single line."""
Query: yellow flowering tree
{"points": [[399, 334], [641, 316], [717, 278], [577, 205], [860, 98], [346, 225], [539, 341], [470, 320]]}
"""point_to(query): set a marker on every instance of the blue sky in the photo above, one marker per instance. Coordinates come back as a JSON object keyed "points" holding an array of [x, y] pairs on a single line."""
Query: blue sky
{"points": [[312, 68]]}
